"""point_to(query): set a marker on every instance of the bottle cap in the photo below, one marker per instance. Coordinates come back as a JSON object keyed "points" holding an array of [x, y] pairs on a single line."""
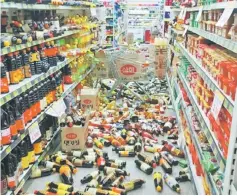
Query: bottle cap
{"points": [[154, 165], [158, 188]]}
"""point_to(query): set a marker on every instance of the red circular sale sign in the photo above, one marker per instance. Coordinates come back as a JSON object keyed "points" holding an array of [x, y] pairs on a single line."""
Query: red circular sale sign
{"points": [[87, 101], [71, 136], [128, 69]]}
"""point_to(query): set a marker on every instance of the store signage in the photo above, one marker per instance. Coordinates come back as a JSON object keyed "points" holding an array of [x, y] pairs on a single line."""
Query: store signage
{"points": [[128, 69], [71, 136], [217, 104], [34, 132]]}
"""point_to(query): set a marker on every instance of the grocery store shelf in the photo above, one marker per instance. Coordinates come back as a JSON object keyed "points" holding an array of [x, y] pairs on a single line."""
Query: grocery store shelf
{"points": [[175, 52], [26, 84], [14, 48], [24, 6], [200, 155], [179, 32], [205, 124], [212, 84], [226, 43], [27, 173], [212, 6], [67, 89]]}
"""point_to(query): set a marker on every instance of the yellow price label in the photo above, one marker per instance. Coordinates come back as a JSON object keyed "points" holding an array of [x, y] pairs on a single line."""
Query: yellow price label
{"points": [[9, 149]]}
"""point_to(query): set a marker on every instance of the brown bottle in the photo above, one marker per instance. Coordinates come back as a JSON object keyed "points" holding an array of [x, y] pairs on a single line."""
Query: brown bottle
{"points": [[26, 63]]}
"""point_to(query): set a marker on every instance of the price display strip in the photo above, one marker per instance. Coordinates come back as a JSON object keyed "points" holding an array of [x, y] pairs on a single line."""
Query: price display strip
{"points": [[14, 48], [207, 175], [211, 83], [25, 85], [205, 126], [27, 173], [226, 43]]}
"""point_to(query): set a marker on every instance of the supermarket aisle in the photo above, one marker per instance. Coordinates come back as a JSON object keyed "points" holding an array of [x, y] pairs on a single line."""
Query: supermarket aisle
{"points": [[147, 189]]}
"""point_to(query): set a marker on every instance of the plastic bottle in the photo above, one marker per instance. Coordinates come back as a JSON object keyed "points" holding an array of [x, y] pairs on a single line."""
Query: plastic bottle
{"points": [[98, 143], [50, 165], [12, 122], [158, 181], [82, 163], [123, 148], [89, 177], [26, 64], [144, 167], [165, 165], [126, 154], [183, 177], [66, 174], [118, 172], [11, 180], [95, 182], [114, 165], [19, 66], [31, 153], [138, 145], [132, 185], [60, 186], [38, 149], [19, 116], [12, 70], [24, 155], [117, 181], [3, 179], [41, 172], [143, 157], [116, 190], [5, 128], [4, 80], [172, 183]]}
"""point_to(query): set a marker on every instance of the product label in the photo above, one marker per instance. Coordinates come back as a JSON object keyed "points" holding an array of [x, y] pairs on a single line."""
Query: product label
{"points": [[93, 183], [128, 186], [25, 162], [129, 148], [36, 173], [71, 136], [90, 158], [109, 170], [92, 191], [76, 153], [34, 132], [5, 132], [94, 174], [4, 186], [128, 69], [49, 164], [144, 166]]}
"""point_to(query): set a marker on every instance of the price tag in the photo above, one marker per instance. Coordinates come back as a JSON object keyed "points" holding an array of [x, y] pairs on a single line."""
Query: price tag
{"points": [[199, 14], [93, 11], [185, 30], [184, 13], [58, 109], [9, 149], [181, 13], [217, 103], [224, 17], [34, 132]]}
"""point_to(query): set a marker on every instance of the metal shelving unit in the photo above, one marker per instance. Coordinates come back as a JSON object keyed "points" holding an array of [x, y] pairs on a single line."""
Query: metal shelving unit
{"points": [[226, 43], [205, 124], [68, 88], [27, 173], [213, 6], [212, 84], [14, 48]]}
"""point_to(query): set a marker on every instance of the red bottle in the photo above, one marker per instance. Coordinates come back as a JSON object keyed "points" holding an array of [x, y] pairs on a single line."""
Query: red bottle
{"points": [[5, 128], [148, 135], [12, 122], [4, 81], [101, 163]]}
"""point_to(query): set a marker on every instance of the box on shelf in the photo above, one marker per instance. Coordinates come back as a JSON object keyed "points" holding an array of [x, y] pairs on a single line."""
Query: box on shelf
{"points": [[89, 99], [74, 138]]}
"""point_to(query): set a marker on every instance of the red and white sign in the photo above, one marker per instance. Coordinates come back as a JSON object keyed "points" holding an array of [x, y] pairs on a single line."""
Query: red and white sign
{"points": [[87, 101], [128, 70], [71, 136]]}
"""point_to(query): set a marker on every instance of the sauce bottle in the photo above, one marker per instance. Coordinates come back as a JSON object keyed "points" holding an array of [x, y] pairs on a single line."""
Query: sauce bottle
{"points": [[31, 153], [144, 167], [27, 113], [19, 66], [19, 116], [17, 152], [41, 172], [26, 63], [24, 155], [31, 100], [5, 128], [11, 181], [3, 179], [158, 181], [4, 80], [12, 121], [38, 149], [11, 67]]}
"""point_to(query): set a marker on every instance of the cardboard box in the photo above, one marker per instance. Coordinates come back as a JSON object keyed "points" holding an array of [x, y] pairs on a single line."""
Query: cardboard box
{"points": [[74, 138], [89, 99]]}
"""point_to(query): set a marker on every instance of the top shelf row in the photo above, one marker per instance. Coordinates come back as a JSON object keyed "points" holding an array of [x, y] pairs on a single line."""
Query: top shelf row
{"points": [[213, 6], [12, 5]]}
